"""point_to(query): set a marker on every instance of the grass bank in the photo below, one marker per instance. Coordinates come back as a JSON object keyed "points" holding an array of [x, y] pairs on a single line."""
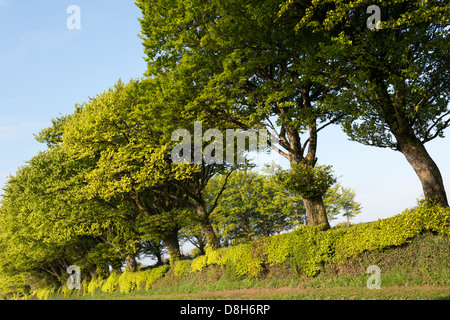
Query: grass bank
{"points": [[412, 250], [419, 269]]}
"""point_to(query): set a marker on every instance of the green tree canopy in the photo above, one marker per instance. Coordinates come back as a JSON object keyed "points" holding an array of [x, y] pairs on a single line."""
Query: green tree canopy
{"points": [[254, 205], [250, 68], [393, 81]]}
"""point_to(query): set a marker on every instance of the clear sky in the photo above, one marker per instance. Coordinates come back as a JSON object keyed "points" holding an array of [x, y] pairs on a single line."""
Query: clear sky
{"points": [[46, 68]]}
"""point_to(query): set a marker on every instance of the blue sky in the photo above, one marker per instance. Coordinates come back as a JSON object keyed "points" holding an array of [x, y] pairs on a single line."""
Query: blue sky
{"points": [[45, 69]]}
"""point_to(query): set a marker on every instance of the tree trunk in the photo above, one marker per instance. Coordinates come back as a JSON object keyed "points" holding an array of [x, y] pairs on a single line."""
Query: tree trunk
{"points": [[407, 142], [131, 262], [314, 207], [158, 255], [173, 246], [424, 166], [207, 228], [316, 212]]}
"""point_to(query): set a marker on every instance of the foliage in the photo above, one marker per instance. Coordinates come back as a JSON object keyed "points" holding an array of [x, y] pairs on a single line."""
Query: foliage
{"points": [[181, 267], [107, 190], [115, 128], [393, 96], [308, 248], [44, 293], [308, 252], [112, 283], [43, 229], [199, 263], [254, 205], [132, 154], [341, 200], [95, 284], [393, 231], [127, 281], [405, 77], [309, 182], [150, 276], [247, 66]]}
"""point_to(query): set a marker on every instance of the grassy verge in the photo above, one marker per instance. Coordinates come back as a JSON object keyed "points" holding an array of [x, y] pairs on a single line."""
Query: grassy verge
{"points": [[294, 293], [419, 269]]}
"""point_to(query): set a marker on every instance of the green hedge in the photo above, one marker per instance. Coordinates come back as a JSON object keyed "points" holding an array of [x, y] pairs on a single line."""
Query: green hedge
{"points": [[124, 282], [305, 250], [129, 281], [393, 231], [308, 248]]}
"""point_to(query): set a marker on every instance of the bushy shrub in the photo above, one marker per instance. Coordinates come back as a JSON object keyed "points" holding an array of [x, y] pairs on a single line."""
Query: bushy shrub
{"points": [[279, 247], [94, 284], [83, 287], [44, 293], [127, 281], [243, 259], [112, 283], [199, 263], [214, 256], [150, 276], [65, 291], [181, 267], [304, 251]]}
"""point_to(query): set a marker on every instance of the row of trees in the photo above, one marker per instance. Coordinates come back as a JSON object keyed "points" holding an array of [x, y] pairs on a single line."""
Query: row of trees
{"points": [[309, 64], [49, 218], [107, 189]]}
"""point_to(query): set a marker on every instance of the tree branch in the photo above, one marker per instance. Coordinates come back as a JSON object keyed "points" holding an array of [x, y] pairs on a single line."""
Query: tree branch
{"points": [[220, 192]]}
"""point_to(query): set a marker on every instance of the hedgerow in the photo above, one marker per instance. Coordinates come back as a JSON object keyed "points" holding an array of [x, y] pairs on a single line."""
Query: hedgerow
{"points": [[393, 231], [129, 281], [305, 250], [308, 248], [94, 284], [112, 283]]}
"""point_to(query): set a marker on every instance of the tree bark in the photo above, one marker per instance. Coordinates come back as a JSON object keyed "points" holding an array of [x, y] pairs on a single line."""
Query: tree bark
{"points": [[173, 245], [131, 262], [315, 208], [316, 212], [424, 166], [207, 228]]}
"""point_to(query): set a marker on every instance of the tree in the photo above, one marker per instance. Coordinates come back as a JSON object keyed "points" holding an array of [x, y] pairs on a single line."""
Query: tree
{"points": [[249, 66], [120, 235], [253, 205], [132, 152], [194, 187], [42, 229], [341, 200], [194, 234], [309, 182], [153, 249], [395, 96]]}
